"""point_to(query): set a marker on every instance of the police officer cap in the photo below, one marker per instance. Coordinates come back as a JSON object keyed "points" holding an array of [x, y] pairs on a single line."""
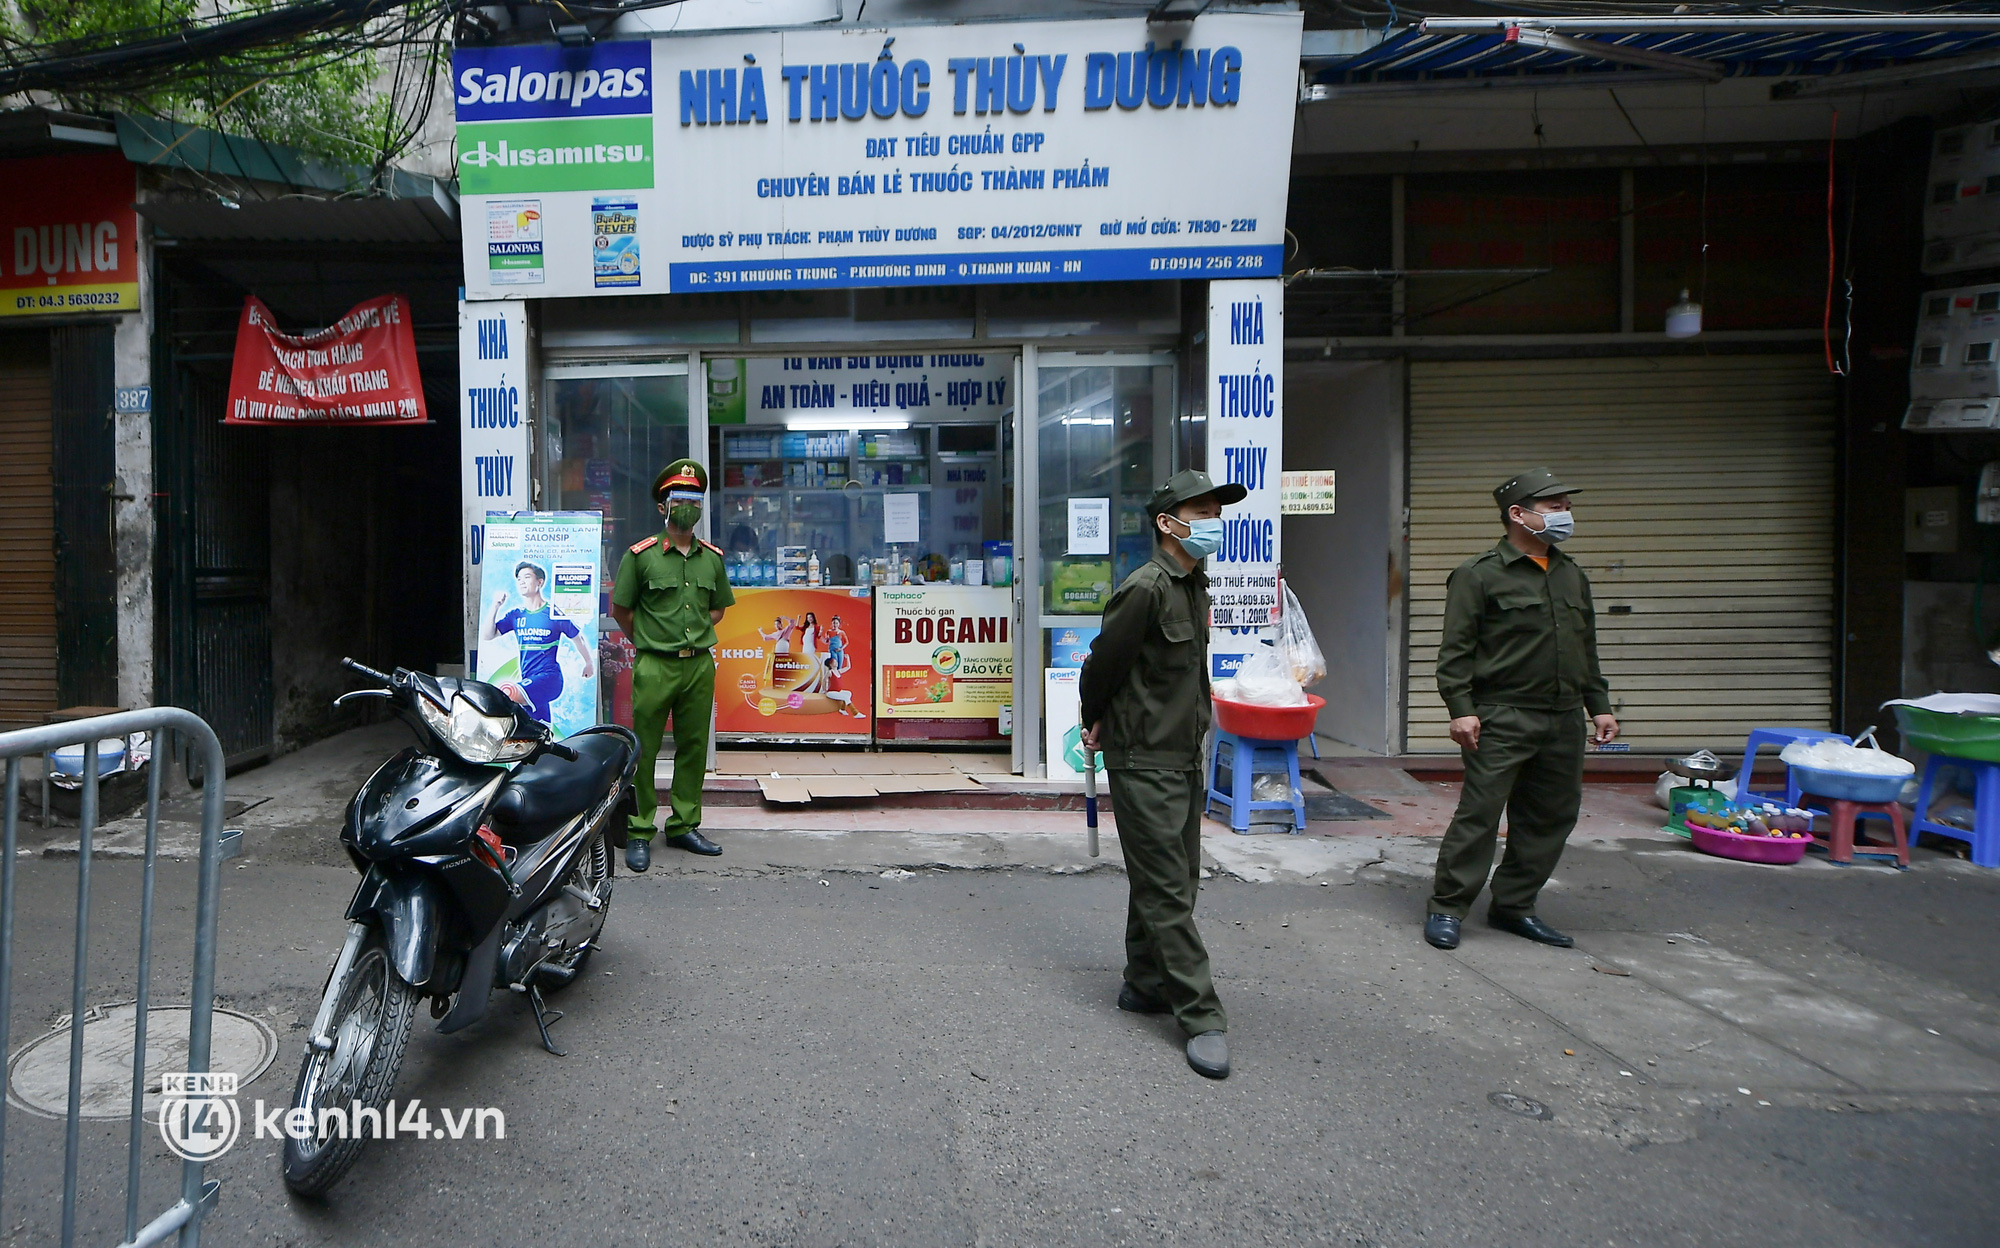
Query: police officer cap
{"points": [[682, 474], [1188, 484], [1534, 483]]}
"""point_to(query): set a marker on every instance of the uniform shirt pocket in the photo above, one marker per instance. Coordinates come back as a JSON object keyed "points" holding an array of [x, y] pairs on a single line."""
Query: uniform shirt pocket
{"points": [[1178, 633]]}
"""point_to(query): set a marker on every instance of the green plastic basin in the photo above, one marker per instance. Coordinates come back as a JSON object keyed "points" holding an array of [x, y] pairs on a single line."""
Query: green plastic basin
{"points": [[1976, 737]]}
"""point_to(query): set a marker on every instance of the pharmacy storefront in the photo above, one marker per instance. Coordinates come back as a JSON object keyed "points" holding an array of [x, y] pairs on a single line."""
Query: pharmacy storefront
{"points": [[938, 306]]}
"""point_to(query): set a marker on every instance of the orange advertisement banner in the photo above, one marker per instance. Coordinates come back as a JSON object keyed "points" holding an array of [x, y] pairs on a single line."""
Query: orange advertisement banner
{"points": [[795, 662]]}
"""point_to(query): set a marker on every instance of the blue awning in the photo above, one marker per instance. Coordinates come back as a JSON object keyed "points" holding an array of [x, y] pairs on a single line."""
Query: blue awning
{"points": [[1417, 55]]}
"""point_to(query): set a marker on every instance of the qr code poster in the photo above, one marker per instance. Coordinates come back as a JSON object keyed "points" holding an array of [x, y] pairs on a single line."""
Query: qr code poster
{"points": [[1089, 526]]}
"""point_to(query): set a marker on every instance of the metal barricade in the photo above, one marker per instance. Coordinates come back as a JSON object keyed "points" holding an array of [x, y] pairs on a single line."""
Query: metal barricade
{"points": [[197, 1196]]}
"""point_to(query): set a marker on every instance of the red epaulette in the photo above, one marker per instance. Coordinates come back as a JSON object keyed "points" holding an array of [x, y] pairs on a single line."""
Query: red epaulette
{"points": [[640, 547], [712, 546]]}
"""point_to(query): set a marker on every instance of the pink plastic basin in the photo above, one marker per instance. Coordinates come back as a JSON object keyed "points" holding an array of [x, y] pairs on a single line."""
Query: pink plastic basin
{"points": [[1773, 849], [1268, 723]]}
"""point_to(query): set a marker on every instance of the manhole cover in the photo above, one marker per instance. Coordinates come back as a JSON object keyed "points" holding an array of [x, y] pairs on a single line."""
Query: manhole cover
{"points": [[1527, 1107], [38, 1075]]}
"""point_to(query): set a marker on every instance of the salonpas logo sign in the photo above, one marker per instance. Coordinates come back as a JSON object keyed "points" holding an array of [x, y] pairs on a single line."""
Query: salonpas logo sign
{"points": [[554, 119]]}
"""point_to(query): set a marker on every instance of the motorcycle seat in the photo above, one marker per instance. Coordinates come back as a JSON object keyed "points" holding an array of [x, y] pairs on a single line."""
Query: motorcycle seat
{"points": [[550, 791]]}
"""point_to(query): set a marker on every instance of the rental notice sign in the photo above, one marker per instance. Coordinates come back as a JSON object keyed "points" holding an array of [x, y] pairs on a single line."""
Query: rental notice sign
{"points": [[1100, 150], [70, 236], [360, 370]]}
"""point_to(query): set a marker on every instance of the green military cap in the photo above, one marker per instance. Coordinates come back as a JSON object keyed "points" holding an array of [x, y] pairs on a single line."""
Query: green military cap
{"points": [[1534, 483], [1187, 484], [681, 474]]}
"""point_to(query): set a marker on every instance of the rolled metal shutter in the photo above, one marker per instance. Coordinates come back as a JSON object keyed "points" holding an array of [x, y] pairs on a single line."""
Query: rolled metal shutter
{"points": [[1705, 523], [27, 533]]}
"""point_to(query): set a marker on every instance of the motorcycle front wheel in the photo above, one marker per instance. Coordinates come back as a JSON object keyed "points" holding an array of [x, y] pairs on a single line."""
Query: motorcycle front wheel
{"points": [[370, 1028]]}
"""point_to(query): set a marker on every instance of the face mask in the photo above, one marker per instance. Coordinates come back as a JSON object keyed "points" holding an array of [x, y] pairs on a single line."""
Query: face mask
{"points": [[1557, 526], [1204, 537], [684, 515]]}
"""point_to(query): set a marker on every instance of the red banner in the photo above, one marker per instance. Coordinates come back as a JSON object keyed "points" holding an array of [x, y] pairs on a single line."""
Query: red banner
{"points": [[360, 370]]}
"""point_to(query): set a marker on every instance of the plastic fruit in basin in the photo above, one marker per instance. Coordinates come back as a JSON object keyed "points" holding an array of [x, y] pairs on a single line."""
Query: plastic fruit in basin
{"points": [[1268, 723], [1772, 849]]}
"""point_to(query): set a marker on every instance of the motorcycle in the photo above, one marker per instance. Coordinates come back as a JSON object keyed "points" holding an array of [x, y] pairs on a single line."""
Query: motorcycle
{"points": [[485, 853]]}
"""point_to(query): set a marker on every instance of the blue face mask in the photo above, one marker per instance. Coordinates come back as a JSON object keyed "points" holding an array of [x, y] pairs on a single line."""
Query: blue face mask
{"points": [[1203, 539]]}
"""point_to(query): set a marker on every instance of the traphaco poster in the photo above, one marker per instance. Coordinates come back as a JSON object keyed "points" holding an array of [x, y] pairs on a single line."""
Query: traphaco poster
{"points": [[794, 662], [538, 613], [947, 653]]}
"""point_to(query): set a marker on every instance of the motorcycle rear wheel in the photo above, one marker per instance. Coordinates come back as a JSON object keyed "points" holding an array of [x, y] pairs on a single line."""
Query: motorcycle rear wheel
{"points": [[370, 1029], [592, 869]]}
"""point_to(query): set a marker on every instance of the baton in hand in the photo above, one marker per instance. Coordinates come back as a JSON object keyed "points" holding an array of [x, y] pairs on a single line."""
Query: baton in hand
{"points": [[1090, 798]]}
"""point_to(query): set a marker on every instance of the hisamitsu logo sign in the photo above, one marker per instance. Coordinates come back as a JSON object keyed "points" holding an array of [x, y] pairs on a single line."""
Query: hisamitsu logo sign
{"points": [[554, 119]]}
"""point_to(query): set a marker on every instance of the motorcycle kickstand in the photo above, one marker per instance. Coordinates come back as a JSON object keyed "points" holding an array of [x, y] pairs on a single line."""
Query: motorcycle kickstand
{"points": [[543, 1017]]}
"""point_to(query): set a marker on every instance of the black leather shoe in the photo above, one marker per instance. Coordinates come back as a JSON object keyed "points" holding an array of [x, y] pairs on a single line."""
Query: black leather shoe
{"points": [[1136, 1002], [1441, 930], [695, 843], [1532, 928], [638, 853], [1208, 1053]]}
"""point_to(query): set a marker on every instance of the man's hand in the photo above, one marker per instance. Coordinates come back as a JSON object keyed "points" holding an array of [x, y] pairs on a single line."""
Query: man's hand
{"points": [[1465, 731], [1092, 737], [1606, 726], [500, 600]]}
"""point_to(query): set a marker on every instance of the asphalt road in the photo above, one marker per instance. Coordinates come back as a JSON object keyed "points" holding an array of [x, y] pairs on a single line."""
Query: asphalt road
{"points": [[766, 1058]]}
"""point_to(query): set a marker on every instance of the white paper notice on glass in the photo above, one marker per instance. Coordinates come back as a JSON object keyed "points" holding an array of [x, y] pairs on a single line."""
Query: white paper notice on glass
{"points": [[899, 518], [1089, 526]]}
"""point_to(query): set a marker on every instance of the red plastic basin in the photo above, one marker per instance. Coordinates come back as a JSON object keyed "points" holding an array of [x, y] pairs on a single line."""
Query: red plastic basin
{"points": [[1268, 723], [1772, 849]]}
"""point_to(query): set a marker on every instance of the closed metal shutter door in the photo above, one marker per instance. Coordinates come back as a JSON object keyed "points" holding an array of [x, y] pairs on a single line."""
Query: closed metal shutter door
{"points": [[1706, 525], [27, 533]]}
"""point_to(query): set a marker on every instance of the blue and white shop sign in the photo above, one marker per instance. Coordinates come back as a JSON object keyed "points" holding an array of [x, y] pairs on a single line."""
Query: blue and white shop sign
{"points": [[907, 156]]}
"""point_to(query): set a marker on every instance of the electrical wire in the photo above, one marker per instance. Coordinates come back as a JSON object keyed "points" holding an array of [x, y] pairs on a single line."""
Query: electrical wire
{"points": [[1826, 318]]}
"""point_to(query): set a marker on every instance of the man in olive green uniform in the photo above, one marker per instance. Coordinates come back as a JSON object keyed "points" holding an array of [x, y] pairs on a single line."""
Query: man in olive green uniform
{"points": [[669, 596], [1145, 701], [1517, 669]]}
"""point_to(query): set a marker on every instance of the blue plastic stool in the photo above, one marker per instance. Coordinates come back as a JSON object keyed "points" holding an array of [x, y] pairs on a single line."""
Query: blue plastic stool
{"points": [[1247, 757], [1985, 835], [1777, 738]]}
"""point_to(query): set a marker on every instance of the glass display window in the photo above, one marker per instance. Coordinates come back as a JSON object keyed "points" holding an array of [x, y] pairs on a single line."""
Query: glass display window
{"points": [[860, 497], [607, 432]]}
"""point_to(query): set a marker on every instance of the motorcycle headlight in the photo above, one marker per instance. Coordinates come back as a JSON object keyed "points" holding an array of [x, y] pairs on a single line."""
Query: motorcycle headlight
{"points": [[474, 737]]}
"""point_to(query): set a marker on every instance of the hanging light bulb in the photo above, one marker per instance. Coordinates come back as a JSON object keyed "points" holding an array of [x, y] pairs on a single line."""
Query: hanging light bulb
{"points": [[1684, 318]]}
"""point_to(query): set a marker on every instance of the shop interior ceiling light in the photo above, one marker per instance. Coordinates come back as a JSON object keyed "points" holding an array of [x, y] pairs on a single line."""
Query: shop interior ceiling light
{"points": [[853, 422]]}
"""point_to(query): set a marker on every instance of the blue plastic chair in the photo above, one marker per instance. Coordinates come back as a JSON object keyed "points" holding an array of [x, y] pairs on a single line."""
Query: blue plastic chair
{"points": [[1985, 834], [1777, 739], [1247, 757]]}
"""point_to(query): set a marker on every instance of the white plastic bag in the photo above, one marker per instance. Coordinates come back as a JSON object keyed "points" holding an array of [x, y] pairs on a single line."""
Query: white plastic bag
{"points": [[1295, 645], [1265, 679], [1841, 757]]}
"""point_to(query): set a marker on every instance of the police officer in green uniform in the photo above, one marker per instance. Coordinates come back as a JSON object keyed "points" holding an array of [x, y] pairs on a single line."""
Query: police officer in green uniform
{"points": [[669, 596], [1144, 697], [1517, 669]]}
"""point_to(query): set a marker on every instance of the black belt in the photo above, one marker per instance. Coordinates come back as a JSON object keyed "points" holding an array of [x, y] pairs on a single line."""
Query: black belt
{"points": [[680, 654]]}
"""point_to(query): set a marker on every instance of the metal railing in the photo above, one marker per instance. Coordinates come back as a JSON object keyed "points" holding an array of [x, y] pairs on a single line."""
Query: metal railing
{"points": [[197, 1196]]}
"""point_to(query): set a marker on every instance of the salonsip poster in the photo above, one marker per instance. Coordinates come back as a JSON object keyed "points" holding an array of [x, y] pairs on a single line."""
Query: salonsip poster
{"points": [[537, 623]]}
